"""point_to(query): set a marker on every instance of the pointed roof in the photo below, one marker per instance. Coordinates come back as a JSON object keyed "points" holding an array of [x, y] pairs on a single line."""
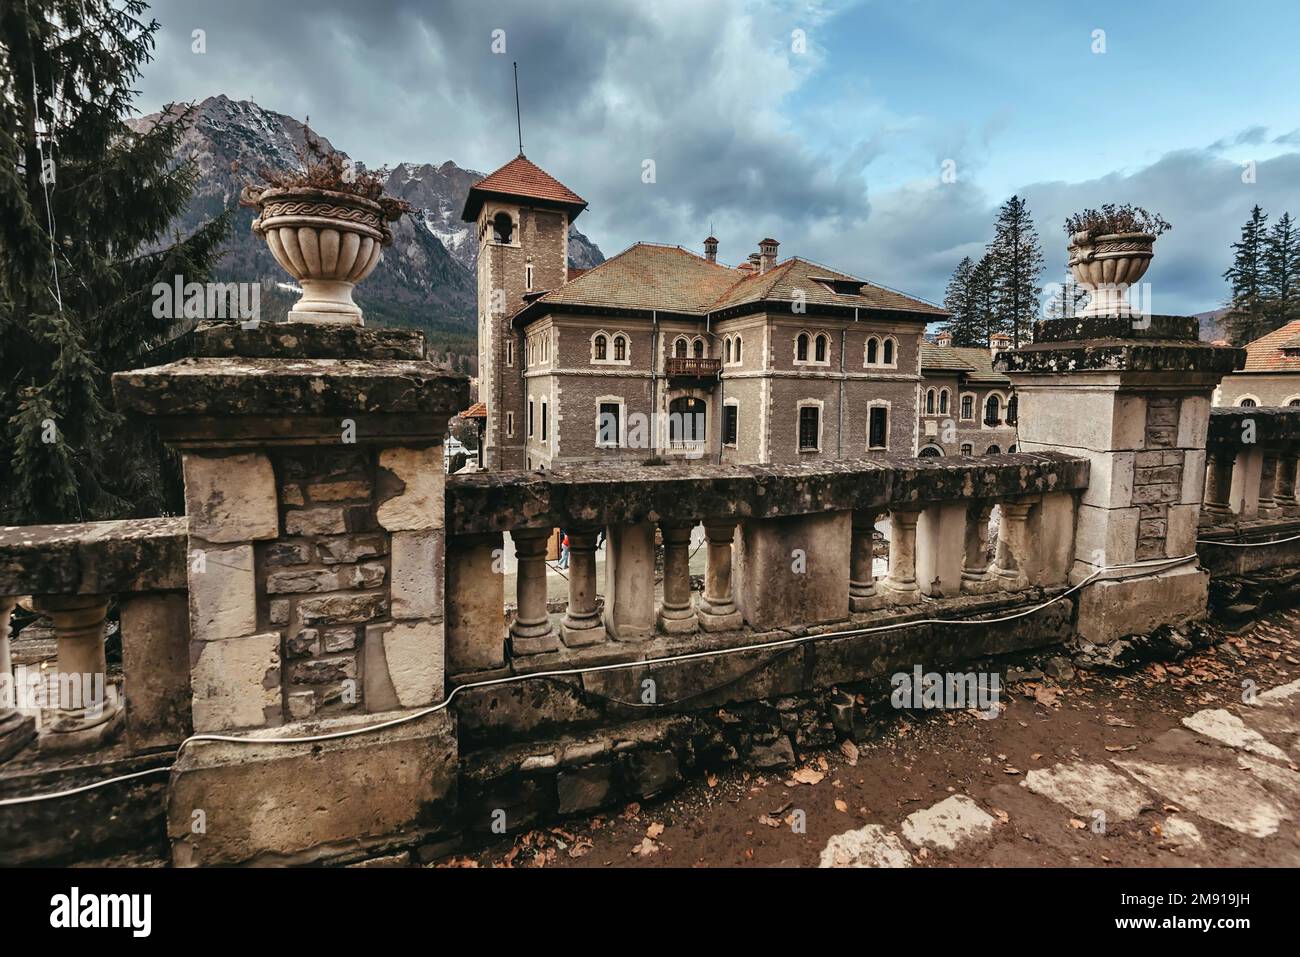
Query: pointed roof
{"points": [[522, 179], [1276, 351]]}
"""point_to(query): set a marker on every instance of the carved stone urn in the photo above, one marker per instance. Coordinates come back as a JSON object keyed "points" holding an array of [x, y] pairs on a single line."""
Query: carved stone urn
{"points": [[327, 240], [1107, 266]]}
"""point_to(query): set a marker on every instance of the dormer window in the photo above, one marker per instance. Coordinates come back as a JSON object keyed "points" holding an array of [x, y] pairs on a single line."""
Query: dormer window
{"points": [[503, 227]]}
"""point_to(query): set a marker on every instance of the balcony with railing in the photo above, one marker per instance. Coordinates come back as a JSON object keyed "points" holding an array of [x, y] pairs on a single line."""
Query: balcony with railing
{"points": [[692, 367]]}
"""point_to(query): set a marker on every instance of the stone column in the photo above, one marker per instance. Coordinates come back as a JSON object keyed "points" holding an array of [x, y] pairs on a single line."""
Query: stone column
{"points": [[1286, 484], [16, 729], [1132, 395], [85, 715], [677, 610], [1218, 485], [900, 587], [630, 582], [862, 577], [717, 606], [975, 577], [476, 625], [1011, 564], [582, 625], [531, 633], [1268, 507], [940, 540]]}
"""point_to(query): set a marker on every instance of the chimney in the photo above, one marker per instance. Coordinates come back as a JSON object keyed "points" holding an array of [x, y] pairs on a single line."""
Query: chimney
{"points": [[756, 262], [943, 338], [999, 342], [711, 249], [767, 254]]}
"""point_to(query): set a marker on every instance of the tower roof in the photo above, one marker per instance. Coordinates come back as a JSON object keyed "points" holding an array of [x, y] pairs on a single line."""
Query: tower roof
{"points": [[522, 179]]}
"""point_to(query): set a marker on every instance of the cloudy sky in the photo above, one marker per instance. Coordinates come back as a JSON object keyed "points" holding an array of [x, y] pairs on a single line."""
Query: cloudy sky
{"points": [[826, 125]]}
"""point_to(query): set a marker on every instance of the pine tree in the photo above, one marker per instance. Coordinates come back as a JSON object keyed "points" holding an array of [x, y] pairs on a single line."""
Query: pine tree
{"points": [[1282, 272], [1017, 265], [983, 297], [964, 324], [1068, 299], [84, 209], [1247, 316]]}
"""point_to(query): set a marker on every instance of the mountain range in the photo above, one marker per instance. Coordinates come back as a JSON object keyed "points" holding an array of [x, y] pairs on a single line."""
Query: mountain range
{"points": [[426, 279]]}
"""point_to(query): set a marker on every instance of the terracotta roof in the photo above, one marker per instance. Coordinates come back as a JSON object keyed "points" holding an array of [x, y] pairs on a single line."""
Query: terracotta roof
{"points": [[672, 279], [521, 177], [942, 358], [575, 272], [972, 363], [1266, 354], [476, 411]]}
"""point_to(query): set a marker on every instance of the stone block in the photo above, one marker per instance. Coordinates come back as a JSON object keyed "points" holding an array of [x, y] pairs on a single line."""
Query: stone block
{"points": [[1193, 487], [1111, 478], [1105, 536], [304, 804], [222, 591], [1193, 421], [230, 498], [413, 659], [339, 491], [315, 521], [351, 548], [411, 483], [1052, 534], [1180, 534], [630, 582], [340, 639], [288, 553], [940, 543], [1110, 609], [343, 609], [298, 581], [475, 603], [416, 583], [156, 661], [236, 682], [793, 571], [584, 789]]}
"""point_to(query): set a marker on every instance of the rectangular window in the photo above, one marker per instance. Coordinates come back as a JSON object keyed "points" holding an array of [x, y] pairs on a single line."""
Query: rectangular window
{"points": [[809, 417], [510, 425], [528, 277], [607, 432], [967, 449], [530, 418], [510, 352], [878, 430], [543, 420], [730, 424], [968, 407]]}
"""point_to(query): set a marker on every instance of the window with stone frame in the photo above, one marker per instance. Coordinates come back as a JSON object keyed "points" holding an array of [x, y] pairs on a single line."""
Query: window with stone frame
{"points": [[544, 422], [943, 401], [801, 347], [878, 427], [620, 349], [809, 428], [929, 401], [888, 352], [968, 407], [730, 424], [967, 449], [821, 348], [530, 418], [609, 425], [600, 349], [873, 351], [1013, 410], [993, 410], [503, 228]]}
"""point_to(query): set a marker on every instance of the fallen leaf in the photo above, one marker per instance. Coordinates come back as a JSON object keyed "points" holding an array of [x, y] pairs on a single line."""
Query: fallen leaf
{"points": [[654, 830], [808, 776], [769, 820], [841, 806], [850, 752], [712, 780], [1118, 722]]}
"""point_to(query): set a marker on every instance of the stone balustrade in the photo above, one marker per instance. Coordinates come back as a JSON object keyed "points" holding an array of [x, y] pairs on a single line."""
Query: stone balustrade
{"points": [[72, 573], [787, 547]]}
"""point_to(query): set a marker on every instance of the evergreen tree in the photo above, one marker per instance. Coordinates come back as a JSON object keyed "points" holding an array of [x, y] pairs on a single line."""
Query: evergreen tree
{"points": [[1017, 265], [964, 325], [1282, 272], [983, 297], [1068, 299], [1247, 317], [84, 209]]}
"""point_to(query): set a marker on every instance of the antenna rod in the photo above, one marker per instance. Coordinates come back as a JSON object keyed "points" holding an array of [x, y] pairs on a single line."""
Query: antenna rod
{"points": [[519, 123]]}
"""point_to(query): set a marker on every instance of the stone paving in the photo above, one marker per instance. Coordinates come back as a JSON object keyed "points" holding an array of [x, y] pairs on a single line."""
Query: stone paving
{"points": [[1249, 783]]}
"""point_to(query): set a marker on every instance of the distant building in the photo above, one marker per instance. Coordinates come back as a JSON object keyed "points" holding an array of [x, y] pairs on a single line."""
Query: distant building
{"points": [[661, 353], [1271, 375], [964, 407]]}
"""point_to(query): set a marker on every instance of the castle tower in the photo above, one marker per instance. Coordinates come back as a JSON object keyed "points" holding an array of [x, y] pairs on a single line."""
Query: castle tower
{"points": [[523, 216]]}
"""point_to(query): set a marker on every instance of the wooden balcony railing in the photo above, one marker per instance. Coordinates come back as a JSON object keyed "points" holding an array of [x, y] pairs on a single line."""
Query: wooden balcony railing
{"points": [[693, 368]]}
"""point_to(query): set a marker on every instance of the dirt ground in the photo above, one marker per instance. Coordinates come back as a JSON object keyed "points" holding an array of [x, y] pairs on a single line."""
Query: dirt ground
{"points": [[746, 819]]}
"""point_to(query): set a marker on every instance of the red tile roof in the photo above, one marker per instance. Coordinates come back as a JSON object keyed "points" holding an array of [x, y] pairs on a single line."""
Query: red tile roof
{"points": [[476, 411], [521, 178], [1266, 353]]}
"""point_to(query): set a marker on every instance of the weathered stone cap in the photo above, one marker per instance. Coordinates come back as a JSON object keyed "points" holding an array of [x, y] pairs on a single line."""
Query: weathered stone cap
{"points": [[1174, 328], [1120, 344], [596, 495], [290, 387], [1270, 425], [291, 340], [94, 558]]}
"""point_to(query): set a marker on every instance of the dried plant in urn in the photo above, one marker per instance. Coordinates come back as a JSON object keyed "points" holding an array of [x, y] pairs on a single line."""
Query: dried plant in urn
{"points": [[326, 224], [1110, 250]]}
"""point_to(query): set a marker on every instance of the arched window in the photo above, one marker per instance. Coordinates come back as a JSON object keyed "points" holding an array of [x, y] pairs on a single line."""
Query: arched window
{"points": [[1293, 403], [1011, 449], [993, 450], [992, 410], [686, 421], [889, 352], [1013, 409], [873, 351], [929, 402], [698, 348], [821, 348], [930, 452], [1247, 404], [502, 227], [620, 349], [679, 348], [728, 348], [600, 349], [737, 348], [943, 401], [801, 347]]}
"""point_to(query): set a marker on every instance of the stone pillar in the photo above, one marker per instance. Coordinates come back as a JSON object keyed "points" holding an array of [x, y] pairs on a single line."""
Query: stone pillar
{"points": [[1218, 485], [531, 633], [630, 582], [582, 625], [793, 571], [677, 610], [476, 624], [1132, 395], [1268, 507], [940, 541], [862, 576], [1286, 484], [16, 729], [975, 577], [1012, 561], [717, 606], [86, 713], [899, 587], [314, 484]]}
